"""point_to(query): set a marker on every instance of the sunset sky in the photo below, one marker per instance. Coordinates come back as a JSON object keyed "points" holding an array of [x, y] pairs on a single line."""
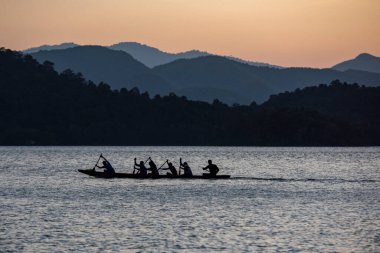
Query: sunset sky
{"points": [[315, 33]]}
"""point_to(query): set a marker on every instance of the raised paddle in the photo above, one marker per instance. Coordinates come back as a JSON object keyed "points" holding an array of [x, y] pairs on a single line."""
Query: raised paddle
{"points": [[97, 161], [163, 164], [179, 167], [134, 166]]}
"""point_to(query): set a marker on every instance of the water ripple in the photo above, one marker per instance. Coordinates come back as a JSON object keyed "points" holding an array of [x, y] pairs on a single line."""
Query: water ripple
{"points": [[279, 200]]}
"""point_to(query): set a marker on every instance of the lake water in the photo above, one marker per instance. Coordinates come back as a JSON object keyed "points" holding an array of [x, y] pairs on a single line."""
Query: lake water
{"points": [[327, 201]]}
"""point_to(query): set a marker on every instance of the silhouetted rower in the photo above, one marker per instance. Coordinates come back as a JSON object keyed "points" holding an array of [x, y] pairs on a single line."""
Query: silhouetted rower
{"points": [[141, 168], [173, 171], [106, 166], [212, 168], [153, 168], [186, 168]]}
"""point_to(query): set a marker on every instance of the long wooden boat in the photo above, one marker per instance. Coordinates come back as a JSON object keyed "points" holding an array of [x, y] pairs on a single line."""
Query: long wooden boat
{"points": [[130, 175]]}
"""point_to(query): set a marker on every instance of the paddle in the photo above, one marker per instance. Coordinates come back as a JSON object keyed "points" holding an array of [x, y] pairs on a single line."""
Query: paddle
{"points": [[101, 155], [134, 166], [163, 164], [179, 167]]}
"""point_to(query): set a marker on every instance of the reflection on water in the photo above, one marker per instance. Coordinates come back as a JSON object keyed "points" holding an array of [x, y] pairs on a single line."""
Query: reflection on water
{"points": [[279, 199]]}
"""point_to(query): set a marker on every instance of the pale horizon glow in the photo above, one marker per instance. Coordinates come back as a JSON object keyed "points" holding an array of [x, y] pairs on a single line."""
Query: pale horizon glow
{"points": [[310, 33]]}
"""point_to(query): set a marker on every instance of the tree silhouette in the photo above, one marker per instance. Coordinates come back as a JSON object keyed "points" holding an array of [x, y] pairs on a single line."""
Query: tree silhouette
{"points": [[42, 107]]}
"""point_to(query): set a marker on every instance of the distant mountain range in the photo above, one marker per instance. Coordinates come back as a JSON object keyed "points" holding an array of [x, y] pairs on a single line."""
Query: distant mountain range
{"points": [[148, 55], [365, 62], [101, 64], [151, 56], [211, 77], [50, 47], [199, 77]]}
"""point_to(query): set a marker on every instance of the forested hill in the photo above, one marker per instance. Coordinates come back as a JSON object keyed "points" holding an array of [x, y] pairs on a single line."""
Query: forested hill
{"points": [[343, 101], [41, 107]]}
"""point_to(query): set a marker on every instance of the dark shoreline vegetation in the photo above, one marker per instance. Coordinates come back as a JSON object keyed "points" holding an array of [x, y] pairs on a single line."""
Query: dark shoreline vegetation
{"points": [[42, 107]]}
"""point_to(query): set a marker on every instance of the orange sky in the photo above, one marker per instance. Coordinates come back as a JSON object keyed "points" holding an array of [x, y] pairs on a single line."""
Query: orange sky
{"points": [[317, 33]]}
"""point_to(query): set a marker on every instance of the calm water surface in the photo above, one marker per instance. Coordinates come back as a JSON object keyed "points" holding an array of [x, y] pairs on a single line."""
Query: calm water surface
{"points": [[322, 200]]}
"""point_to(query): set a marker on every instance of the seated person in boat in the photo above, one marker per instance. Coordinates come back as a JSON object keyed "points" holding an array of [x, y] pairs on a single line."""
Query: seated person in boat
{"points": [[213, 169], [186, 168], [106, 166], [153, 168], [141, 168], [173, 171]]}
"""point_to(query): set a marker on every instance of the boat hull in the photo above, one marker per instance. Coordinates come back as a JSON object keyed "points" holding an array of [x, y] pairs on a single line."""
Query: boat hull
{"points": [[130, 175]]}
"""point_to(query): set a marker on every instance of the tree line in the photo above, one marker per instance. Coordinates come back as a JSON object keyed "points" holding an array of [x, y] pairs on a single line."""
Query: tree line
{"points": [[42, 107]]}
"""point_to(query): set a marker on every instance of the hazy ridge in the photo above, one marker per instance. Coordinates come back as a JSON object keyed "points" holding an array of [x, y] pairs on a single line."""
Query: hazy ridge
{"points": [[203, 78]]}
